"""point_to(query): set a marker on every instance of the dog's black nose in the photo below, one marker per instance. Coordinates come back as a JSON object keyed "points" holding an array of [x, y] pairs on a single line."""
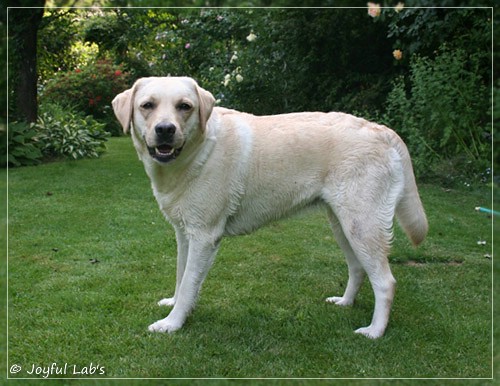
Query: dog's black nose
{"points": [[165, 130]]}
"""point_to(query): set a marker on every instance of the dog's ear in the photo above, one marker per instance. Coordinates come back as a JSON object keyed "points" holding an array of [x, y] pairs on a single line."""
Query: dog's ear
{"points": [[123, 106], [207, 102]]}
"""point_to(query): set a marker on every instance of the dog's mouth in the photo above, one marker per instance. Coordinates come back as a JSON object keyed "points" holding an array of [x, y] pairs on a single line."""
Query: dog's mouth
{"points": [[164, 153]]}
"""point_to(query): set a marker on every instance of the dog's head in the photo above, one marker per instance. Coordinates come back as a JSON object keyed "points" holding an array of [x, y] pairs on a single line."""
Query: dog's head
{"points": [[165, 113]]}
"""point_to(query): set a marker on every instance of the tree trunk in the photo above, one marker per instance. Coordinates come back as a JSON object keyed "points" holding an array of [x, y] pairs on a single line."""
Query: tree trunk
{"points": [[23, 31]]}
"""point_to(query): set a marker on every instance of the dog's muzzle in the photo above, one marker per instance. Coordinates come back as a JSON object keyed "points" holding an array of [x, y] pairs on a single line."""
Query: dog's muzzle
{"points": [[165, 151]]}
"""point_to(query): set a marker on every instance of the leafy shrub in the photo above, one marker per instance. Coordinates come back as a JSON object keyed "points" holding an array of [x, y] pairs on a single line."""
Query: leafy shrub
{"points": [[69, 135], [23, 149], [441, 110], [262, 61], [89, 90]]}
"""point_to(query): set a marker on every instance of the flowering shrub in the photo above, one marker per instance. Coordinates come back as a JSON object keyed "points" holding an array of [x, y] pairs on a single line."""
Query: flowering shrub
{"points": [[443, 117], [89, 90], [268, 61], [275, 61], [440, 104], [259, 60], [219, 61]]}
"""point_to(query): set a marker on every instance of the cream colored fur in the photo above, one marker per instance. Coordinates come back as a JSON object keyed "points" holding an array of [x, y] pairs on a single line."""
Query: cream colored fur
{"points": [[233, 172]]}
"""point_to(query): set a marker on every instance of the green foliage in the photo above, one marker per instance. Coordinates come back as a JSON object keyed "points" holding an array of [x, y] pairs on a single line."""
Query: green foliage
{"points": [[260, 60], [89, 90], [69, 135], [303, 60], [130, 36], [442, 111], [23, 149], [268, 61], [56, 36], [423, 30], [99, 30]]}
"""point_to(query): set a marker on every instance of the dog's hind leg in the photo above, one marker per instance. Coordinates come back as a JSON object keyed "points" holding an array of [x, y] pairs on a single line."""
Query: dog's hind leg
{"points": [[370, 241], [383, 283], [356, 271], [363, 228], [369, 244]]}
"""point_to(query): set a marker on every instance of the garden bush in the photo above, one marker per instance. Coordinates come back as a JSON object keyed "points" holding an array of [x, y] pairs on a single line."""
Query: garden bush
{"points": [[66, 134], [441, 109], [23, 149], [280, 60], [88, 90], [424, 71], [264, 61]]}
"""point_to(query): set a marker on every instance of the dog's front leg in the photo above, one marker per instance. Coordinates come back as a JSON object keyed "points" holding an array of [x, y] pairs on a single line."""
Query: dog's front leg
{"points": [[182, 255], [201, 254]]}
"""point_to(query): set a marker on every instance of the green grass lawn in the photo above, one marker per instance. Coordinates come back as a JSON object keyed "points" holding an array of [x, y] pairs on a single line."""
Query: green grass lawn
{"points": [[261, 312]]}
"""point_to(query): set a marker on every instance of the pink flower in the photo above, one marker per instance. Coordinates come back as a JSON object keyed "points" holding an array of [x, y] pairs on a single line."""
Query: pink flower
{"points": [[373, 9], [187, 46]]}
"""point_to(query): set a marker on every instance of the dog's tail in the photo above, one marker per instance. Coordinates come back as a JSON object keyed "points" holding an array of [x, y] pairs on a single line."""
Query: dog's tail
{"points": [[409, 210]]}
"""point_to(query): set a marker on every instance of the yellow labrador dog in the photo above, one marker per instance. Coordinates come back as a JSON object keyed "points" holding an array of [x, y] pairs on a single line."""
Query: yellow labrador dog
{"points": [[217, 172]]}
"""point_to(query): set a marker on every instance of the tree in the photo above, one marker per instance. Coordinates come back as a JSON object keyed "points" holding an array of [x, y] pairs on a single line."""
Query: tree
{"points": [[23, 30]]}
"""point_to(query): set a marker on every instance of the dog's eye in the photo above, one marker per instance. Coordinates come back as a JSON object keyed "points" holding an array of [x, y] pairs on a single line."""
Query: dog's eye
{"points": [[184, 106], [147, 105]]}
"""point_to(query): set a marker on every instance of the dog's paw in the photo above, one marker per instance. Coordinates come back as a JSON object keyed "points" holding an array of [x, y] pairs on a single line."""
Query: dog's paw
{"points": [[370, 332], [339, 301], [165, 325], [169, 302]]}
